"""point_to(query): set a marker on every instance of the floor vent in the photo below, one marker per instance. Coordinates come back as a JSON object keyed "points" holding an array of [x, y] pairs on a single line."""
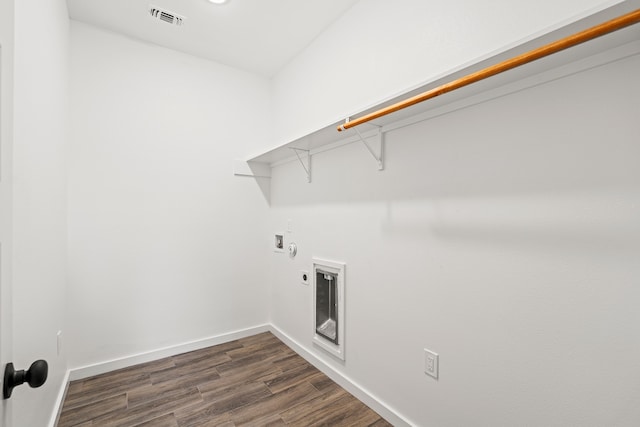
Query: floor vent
{"points": [[166, 16]]}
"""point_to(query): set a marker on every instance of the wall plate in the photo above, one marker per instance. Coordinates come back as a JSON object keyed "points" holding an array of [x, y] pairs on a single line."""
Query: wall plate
{"points": [[319, 268], [304, 277], [431, 363]]}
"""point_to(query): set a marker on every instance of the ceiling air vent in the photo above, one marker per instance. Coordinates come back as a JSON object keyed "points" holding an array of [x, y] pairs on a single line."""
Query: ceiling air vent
{"points": [[166, 16]]}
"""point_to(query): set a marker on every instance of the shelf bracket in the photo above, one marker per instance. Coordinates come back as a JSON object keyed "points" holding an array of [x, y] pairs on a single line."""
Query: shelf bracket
{"points": [[378, 142], [307, 167], [252, 169]]}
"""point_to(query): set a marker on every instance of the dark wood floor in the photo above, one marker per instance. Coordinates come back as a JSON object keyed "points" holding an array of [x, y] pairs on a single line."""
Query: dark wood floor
{"points": [[254, 381]]}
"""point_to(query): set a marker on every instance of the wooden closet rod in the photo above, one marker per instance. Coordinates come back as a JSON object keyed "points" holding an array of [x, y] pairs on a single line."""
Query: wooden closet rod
{"points": [[546, 50]]}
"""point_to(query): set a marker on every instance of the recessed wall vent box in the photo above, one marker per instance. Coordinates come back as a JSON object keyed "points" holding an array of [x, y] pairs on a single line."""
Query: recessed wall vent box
{"points": [[278, 242], [329, 306]]}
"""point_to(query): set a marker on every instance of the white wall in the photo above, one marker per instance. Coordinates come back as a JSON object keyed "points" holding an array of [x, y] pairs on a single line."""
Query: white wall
{"points": [[510, 253], [40, 133], [504, 237], [380, 49], [165, 244]]}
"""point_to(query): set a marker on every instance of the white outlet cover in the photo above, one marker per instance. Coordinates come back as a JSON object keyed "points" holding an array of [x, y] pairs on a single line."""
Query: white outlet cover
{"points": [[431, 363]]}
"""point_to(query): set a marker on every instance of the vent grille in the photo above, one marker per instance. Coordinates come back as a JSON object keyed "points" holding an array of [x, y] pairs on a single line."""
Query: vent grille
{"points": [[166, 16]]}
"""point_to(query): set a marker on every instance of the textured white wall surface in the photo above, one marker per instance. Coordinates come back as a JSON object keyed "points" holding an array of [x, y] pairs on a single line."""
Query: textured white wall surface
{"points": [[504, 237], [166, 246]]}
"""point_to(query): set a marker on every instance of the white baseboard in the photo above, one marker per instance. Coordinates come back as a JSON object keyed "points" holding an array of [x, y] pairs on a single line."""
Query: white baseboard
{"points": [[343, 381], [57, 408], [127, 361]]}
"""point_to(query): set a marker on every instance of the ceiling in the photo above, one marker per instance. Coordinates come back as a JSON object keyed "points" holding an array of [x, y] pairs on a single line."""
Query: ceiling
{"points": [[259, 36]]}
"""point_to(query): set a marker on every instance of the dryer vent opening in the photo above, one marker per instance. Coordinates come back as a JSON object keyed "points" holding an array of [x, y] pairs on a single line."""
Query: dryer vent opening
{"points": [[329, 306]]}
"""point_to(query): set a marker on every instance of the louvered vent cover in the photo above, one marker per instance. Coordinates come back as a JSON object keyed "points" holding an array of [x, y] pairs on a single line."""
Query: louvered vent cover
{"points": [[166, 16]]}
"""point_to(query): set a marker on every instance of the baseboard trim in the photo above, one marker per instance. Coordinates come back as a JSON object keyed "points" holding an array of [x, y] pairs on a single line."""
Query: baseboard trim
{"points": [[343, 381], [124, 362], [57, 407], [127, 361]]}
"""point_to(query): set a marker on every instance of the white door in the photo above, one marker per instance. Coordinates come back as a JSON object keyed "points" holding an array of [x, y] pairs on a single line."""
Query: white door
{"points": [[5, 249]]}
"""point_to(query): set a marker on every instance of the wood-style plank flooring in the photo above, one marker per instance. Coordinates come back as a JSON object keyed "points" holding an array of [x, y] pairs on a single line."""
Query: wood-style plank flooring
{"points": [[254, 381]]}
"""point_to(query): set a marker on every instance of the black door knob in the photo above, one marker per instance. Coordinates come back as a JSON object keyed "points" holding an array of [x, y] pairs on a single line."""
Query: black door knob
{"points": [[35, 376]]}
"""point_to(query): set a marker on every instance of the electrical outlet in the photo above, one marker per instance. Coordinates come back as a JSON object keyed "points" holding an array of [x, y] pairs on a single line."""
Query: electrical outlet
{"points": [[431, 363], [304, 277]]}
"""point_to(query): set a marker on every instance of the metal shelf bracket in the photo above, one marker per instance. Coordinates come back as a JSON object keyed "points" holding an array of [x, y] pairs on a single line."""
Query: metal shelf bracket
{"points": [[379, 145], [307, 167]]}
